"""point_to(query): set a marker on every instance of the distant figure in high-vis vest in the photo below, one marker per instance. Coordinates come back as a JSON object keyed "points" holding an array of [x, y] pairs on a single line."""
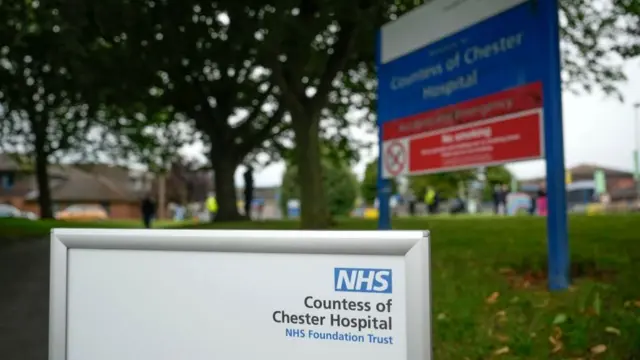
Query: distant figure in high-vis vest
{"points": [[212, 206], [430, 200]]}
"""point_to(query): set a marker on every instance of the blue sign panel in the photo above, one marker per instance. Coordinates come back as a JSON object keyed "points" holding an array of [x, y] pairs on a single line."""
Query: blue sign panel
{"points": [[500, 53], [450, 63]]}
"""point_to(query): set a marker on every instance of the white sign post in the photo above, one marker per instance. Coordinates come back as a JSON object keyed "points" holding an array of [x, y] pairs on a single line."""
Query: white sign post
{"points": [[242, 295]]}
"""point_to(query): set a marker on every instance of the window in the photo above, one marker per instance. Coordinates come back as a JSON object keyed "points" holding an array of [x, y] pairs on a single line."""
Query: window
{"points": [[6, 181]]}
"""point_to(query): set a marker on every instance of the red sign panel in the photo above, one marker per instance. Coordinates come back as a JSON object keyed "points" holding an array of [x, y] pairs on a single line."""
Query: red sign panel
{"points": [[490, 142], [516, 100]]}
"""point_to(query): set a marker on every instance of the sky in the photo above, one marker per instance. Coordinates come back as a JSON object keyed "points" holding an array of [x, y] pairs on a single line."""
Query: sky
{"points": [[597, 130]]}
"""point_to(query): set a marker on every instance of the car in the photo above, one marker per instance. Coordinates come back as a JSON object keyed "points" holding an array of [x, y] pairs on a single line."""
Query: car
{"points": [[29, 215], [9, 211], [83, 212]]}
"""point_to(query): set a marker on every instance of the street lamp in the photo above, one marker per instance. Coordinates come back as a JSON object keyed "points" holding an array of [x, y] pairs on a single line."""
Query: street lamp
{"points": [[636, 153]]}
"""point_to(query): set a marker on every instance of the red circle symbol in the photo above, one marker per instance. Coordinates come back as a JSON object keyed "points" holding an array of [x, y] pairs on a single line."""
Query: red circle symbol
{"points": [[395, 158]]}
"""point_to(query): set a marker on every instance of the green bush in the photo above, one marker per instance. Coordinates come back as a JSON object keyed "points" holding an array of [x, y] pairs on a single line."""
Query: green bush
{"points": [[340, 184]]}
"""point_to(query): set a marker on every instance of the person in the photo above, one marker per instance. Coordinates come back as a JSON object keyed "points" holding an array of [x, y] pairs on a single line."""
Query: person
{"points": [[504, 193], [458, 206], [393, 205], [533, 204], [541, 202], [248, 191], [496, 199], [212, 206], [430, 200], [148, 210], [411, 199]]}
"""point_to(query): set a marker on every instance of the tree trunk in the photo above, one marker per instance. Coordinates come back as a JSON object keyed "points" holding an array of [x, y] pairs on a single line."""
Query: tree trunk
{"points": [[42, 175], [224, 168], [314, 212]]}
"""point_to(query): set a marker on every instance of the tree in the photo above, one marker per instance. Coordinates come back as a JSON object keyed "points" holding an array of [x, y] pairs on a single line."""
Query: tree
{"points": [[190, 60], [338, 181], [319, 51], [447, 184], [41, 110], [495, 175], [369, 184], [308, 46]]}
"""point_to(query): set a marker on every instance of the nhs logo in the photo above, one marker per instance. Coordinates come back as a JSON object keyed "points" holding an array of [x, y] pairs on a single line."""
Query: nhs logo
{"points": [[362, 280]]}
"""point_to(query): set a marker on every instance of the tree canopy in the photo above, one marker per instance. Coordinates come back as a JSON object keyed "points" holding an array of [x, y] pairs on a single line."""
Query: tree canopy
{"points": [[246, 75], [369, 184]]}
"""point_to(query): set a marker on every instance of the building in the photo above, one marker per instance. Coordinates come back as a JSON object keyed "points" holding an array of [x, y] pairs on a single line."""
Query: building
{"points": [[621, 185], [115, 188]]}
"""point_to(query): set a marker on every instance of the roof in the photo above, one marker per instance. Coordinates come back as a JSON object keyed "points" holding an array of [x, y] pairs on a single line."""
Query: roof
{"points": [[590, 169], [583, 171], [10, 162], [84, 186], [78, 185]]}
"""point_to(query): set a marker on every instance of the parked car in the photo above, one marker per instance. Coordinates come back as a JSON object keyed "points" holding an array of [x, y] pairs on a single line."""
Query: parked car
{"points": [[9, 211], [83, 212], [29, 215]]}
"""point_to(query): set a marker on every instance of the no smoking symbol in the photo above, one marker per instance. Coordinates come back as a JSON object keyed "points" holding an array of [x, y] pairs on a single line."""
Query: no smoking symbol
{"points": [[395, 158]]}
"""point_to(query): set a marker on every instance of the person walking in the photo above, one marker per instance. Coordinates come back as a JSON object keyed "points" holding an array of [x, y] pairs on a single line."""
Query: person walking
{"points": [[148, 210], [212, 206], [497, 190], [541, 202], [248, 191], [504, 193], [411, 200], [430, 200]]}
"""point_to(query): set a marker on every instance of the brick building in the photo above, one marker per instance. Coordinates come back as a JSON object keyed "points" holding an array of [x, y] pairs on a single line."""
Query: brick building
{"points": [[114, 188]]}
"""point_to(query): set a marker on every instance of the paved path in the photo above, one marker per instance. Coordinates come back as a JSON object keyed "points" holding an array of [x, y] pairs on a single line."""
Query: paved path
{"points": [[24, 300]]}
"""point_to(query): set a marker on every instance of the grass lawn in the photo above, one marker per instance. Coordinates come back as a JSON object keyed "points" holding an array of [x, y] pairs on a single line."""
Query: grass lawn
{"points": [[23, 228], [488, 286]]}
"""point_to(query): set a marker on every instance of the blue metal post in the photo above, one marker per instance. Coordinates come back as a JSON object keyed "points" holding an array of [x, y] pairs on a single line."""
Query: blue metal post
{"points": [[384, 192], [558, 240]]}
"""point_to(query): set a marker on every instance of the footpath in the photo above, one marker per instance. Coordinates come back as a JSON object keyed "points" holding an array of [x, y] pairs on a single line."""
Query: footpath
{"points": [[24, 300]]}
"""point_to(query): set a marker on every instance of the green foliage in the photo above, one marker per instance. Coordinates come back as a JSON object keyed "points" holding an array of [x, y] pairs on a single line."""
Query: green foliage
{"points": [[447, 184], [495, 175], [340, 184], [369, 184]]}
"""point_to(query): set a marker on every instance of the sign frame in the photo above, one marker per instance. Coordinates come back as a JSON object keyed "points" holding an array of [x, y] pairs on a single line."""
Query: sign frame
{"points": [[414, 246]]}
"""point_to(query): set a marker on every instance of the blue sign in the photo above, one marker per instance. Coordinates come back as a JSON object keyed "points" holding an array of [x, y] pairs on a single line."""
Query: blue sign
{"points": [[363, 280], [446, 53], [497, 54]]}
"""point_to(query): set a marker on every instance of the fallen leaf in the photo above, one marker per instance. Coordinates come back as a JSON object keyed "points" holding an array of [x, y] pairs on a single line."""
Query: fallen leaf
{"points": [[542, 304], [557, 344], [560, 319], [554, 339], [501, 351], [493, 298], [599, 349], [502, 338], [597, 304], [501, 316], [637, 303], [557, 333], [612, 330], [506, 271]]}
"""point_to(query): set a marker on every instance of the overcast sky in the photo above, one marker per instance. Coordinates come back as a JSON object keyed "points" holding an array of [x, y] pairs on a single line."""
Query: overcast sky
{"points": [[597, 130]]}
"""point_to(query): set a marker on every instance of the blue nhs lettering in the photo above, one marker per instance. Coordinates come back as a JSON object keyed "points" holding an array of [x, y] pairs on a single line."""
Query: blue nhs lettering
{"points": [[363, 280]]}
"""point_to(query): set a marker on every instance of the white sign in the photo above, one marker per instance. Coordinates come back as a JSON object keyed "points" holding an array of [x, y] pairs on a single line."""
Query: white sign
{"points": [[242, 295]]}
